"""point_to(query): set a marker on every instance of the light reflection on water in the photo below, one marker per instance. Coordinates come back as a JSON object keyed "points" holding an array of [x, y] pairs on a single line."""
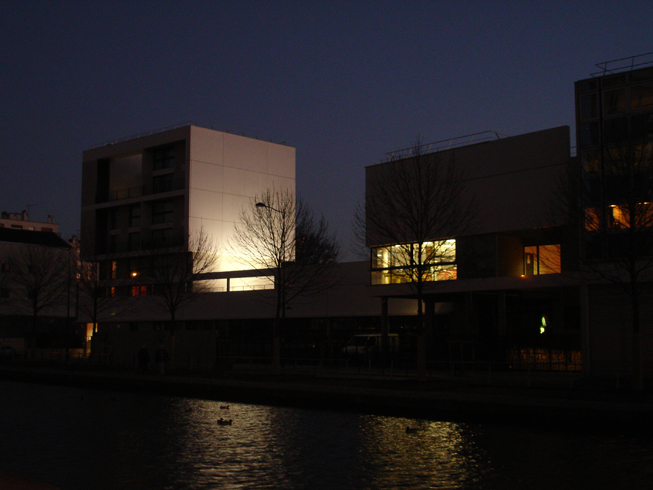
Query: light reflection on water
{"points": [[81, 439], [271, 447]]}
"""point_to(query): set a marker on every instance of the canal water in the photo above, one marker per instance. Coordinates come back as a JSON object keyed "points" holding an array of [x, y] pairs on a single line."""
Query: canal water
{"points": [[87, 439]]}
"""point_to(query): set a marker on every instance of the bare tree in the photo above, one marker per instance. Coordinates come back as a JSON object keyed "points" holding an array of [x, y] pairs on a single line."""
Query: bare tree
{"points": [[415, 207], [280, 235], [175, 273], [39, 275]]}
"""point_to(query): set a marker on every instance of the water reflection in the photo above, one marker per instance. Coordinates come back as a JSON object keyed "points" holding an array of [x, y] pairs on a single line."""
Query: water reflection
{"points": [[272, 447], [81, 439]]}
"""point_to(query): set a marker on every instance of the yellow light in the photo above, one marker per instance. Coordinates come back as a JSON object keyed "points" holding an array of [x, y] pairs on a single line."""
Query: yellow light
{"points": [[134, 273]]}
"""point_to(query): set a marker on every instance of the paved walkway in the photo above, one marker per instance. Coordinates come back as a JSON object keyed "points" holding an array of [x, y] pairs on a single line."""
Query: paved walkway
{"points": [[547, 398]]}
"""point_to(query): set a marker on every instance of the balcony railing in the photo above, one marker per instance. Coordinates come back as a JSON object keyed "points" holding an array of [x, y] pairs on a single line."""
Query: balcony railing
{"points": [[146, 190]]}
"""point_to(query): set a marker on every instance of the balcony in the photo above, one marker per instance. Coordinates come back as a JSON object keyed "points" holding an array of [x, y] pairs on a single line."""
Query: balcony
{"points": [[145, 190]]}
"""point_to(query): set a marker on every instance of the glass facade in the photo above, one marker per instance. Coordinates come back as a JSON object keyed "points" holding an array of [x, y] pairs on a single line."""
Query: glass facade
{"points": [[615, 139]]}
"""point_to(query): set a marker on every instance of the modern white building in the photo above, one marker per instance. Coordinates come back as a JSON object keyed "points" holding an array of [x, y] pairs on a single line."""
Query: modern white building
{"points": [[163, 188]]}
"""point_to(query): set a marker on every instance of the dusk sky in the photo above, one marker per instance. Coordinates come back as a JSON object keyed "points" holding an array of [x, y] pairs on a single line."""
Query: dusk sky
{"points": [[343, 82]]}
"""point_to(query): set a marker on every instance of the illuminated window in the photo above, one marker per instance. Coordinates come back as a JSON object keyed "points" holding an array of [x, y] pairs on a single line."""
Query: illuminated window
{"points": [[618, 216], [542, 259], [432, 261], [592, 220], [113, 269], [139, 291]]}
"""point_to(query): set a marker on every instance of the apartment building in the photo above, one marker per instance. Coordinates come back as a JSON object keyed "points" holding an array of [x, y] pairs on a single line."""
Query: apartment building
{"points": [[22, 221], [614, 133], [162, 189]]}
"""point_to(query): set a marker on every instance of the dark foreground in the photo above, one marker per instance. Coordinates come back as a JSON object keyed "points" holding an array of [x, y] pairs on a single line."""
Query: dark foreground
{"points": [[551, 400]]}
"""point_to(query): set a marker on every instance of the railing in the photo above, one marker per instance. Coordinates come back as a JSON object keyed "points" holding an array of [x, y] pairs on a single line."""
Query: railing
{"points": [[146, 190], [447, 144], [624, 64], [477, 373]]}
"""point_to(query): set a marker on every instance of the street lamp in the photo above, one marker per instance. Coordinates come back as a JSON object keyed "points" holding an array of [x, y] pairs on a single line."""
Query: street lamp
{"points": [[263, 205], [280, 287]]}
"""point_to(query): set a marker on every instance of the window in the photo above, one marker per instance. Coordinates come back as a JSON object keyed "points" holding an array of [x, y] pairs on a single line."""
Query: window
{"points": [[134, 241], [401, 263], [113, 269], [163, 158], [163, 212], [615, 130], [589, 134], [592, 219], [162, 183], [113, 219], [614, 102], [589, 106], [161, 238], [113, 243], [621, 218], [135, 216], [591, 162], [618, 216], [542, 259], [641, 96], [139, 291], [642, 126]]}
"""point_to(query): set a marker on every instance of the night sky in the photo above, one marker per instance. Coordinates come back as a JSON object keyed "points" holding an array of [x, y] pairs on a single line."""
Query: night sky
{"points": [[343, 82]]}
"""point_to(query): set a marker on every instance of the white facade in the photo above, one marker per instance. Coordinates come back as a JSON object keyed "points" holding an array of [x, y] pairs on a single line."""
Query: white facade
{"points": [[172, 184], [226, 172]]}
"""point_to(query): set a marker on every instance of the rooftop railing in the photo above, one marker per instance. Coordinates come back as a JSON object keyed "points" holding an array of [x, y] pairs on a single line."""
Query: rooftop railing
{"points": [[457, 142], [623, 64]]}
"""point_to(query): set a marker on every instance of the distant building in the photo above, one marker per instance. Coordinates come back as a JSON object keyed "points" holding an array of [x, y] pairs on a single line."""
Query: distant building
{"points": [[21, 221], [614, 139], [37, 300]]}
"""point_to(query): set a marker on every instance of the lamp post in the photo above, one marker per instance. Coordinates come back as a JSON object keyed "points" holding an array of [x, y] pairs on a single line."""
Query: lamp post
{"points": [[280, 287]]}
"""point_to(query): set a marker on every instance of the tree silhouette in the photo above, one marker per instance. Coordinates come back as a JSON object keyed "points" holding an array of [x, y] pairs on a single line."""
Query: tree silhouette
{"points": [[415, 207]]}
